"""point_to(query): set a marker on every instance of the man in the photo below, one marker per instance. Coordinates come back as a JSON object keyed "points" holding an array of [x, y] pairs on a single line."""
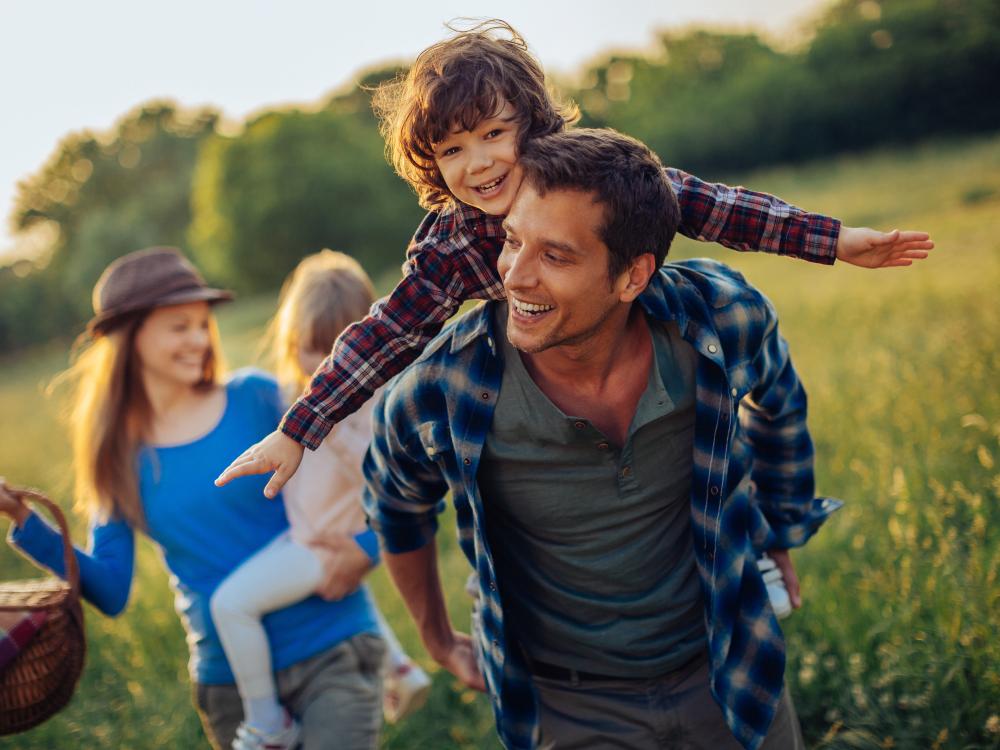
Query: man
{"points": [[620, 441]]}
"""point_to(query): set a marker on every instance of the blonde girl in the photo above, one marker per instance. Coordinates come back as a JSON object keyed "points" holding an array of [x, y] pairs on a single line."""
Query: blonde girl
{"points": [[327, 292]]}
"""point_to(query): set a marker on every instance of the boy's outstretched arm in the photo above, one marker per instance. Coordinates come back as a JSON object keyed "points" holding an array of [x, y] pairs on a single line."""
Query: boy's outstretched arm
{"points": [[742, 219], [452, 259]]}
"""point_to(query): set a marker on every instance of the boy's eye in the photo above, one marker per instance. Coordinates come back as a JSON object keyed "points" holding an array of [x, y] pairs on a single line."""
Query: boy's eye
{"points": [[450, 150], [494, 133]]}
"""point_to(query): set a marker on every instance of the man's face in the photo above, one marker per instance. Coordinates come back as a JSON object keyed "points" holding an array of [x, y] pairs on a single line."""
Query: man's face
{"points": [[555, 270], [479, 166]]}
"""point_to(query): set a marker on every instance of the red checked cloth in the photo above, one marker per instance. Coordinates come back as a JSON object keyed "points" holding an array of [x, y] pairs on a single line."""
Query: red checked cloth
{"points": [[16, 629]]}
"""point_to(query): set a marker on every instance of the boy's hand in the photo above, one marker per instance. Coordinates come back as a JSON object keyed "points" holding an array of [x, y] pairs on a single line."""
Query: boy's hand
{"points": [[277, 452], [870, 248]]}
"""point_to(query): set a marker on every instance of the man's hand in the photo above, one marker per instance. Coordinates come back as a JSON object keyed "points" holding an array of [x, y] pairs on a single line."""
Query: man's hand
{"points": [[458, 656], [277, 452], [346, 565], [11, 505], [783, 560], [870, 248]]}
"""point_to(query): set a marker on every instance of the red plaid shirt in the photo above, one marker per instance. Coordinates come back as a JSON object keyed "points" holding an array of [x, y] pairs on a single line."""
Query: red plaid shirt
{"points": [[453, 258]]}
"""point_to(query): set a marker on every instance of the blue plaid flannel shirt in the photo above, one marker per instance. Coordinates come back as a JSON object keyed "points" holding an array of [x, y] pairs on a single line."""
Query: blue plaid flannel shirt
{"points": [[752, 485]]}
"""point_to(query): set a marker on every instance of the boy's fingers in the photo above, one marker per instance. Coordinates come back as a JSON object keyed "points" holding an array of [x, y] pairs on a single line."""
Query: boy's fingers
{"points": [[240, 468], [275, 484]]}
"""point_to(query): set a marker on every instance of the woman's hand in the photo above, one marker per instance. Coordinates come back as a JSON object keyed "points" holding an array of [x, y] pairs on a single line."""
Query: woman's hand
{"points": [[346, 565], [11, 505]]}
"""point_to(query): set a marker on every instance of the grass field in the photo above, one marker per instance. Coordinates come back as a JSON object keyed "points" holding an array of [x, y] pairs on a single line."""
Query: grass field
{"points": [[897, 645]]}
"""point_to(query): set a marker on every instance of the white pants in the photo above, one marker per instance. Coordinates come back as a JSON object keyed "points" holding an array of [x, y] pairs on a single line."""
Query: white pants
{"points": [[280, 574]]}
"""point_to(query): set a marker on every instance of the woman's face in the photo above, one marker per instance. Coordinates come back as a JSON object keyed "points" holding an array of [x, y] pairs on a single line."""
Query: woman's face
{"points": [[174, 342]]}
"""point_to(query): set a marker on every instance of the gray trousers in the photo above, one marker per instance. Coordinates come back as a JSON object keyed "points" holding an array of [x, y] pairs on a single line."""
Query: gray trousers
{"points": [[675, 712], [336, 696]]}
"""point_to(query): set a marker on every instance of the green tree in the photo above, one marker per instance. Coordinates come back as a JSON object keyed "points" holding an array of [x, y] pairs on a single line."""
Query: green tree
{"points": [[295, 181], [101, 196]]}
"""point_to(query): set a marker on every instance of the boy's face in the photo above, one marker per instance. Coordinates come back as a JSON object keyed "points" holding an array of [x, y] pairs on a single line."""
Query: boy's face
{"points": [[479, 166]]}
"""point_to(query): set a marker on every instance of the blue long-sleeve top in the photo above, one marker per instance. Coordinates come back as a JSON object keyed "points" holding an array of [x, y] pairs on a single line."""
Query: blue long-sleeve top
{"points": [[204, 532]]}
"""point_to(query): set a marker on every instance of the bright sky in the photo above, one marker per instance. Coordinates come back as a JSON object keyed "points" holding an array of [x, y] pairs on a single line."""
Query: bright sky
{"points": [[67, 66]]}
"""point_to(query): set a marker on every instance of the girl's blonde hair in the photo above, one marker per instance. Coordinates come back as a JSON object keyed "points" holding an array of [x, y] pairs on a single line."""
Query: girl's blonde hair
{"points": [[325, 293], [110, 417]]}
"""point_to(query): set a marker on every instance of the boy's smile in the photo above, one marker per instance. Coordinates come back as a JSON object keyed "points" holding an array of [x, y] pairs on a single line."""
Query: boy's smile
{"points": [[479, 166]]}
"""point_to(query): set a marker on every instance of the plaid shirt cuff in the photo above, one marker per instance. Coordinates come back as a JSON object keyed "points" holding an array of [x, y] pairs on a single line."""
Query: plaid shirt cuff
{"points": [[305, 425], [820, 244]]}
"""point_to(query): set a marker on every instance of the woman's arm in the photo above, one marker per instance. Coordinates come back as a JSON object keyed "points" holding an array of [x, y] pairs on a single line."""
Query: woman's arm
{"points": [[105, 569]]}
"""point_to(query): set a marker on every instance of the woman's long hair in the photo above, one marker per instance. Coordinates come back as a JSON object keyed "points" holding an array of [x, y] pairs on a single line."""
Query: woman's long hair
{"points": [[110, 418]]}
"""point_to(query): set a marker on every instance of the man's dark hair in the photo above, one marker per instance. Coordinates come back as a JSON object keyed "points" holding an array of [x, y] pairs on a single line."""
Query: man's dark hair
{"points": [[641, 213]]}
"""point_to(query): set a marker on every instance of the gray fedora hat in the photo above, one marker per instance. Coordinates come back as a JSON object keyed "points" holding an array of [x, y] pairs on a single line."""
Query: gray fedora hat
{"points": [[140, 281]]}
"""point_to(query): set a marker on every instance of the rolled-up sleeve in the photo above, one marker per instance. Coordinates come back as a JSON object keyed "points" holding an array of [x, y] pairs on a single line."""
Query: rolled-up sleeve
{"points": [[774, 419], [404, 483]]}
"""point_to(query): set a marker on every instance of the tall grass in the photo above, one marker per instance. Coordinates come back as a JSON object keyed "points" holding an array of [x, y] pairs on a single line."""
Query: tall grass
{"points": [[897, 645]]}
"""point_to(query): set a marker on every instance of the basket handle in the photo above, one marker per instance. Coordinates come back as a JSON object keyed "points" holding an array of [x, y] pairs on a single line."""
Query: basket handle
{"points": [[72, 567]]}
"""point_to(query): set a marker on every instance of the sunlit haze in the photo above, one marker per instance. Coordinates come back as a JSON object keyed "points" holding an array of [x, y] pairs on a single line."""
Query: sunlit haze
{"points": [[71, 66]]}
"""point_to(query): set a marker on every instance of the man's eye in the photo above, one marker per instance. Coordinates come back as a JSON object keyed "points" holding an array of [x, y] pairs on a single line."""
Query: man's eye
{"points": [[512, 244], [552, 257]]}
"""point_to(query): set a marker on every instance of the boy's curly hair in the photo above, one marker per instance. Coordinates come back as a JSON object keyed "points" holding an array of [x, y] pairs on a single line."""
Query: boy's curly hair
{"points": [[463, 80]]}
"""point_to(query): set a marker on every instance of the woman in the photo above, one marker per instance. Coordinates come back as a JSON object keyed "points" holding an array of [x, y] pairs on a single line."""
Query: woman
{"points": [[151, 424]]}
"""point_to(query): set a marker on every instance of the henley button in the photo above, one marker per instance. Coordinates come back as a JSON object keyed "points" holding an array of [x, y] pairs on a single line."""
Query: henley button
{"points": [[579, 425], [712, 348], [734, 391], [626, 471], [486, 396], [714, 490], [467, 461]]}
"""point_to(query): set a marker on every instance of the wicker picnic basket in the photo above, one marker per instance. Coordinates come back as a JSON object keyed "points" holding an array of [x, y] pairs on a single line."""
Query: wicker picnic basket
{"points": [[42, 677]]}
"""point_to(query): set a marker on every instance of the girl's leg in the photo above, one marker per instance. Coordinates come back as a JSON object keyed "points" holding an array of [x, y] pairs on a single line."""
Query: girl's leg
{"points": [[280, 574]]}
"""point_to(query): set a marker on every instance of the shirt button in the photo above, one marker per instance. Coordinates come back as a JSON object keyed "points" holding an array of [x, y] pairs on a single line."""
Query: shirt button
{"points": [[714, 490], [493, 586], [467, 461], [602, 446], [579, 425], [712, 348], [734, 392], [486, 396], [626, 471], [489, 341]]}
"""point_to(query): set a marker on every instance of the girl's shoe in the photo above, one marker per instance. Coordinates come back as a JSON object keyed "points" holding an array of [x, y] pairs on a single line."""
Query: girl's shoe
{"points": [[251, 738], [406, 689]]}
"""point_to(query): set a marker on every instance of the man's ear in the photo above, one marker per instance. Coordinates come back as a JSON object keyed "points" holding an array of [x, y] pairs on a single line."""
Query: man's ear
{"points": [[637, 276]]}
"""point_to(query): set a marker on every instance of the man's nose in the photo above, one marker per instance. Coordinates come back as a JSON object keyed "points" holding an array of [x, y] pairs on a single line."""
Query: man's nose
{"points": [[520, 272]]}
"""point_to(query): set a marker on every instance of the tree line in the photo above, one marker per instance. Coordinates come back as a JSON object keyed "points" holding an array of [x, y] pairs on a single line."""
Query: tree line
{"points": [[248, 205]]}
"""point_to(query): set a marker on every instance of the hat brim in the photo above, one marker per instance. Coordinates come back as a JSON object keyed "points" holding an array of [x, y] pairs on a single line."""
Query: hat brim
{"points": [[106, 321]]}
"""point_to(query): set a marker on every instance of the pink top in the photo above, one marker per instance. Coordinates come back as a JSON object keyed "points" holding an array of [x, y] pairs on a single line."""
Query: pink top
{"points": [[323, 498]]}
